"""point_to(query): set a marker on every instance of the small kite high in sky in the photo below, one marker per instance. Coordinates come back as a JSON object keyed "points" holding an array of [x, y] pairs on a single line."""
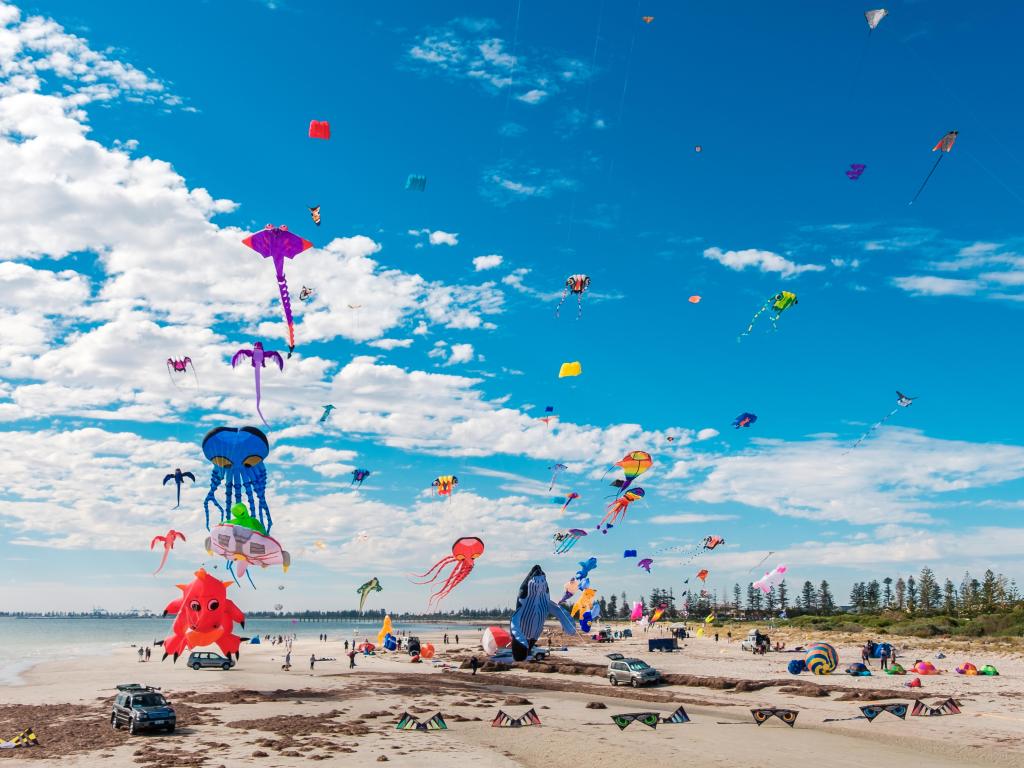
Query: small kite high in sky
{"points": [[633, 464], [646, 564], [258, 356], [874, 18], [306, 295], [576, 284], [555, 469], [570, 369], [902, 401], [179, 479], [314, 212], [564, 500], [943, 147], [444, 485], [566, 540], [278, 243], [358, 475], [181, 366], [617, 509], [319, 129], [327, 413], [416, 183], [856, 169], [168, 542], [744, 420], [778, 303]]}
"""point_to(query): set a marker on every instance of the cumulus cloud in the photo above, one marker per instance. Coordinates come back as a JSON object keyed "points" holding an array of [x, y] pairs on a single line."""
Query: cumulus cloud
{"points": [[439, 237], [460, 353], [930, 285], [764, 261], [481, 263]]}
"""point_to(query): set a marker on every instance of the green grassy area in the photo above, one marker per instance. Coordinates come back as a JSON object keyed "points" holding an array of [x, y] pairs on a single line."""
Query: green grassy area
{"points": [[1006, 624]]}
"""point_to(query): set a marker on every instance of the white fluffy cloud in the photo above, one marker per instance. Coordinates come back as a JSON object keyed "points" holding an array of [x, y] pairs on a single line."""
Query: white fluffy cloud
{"points": [[930, 285], [481, 263], [765, 261], [439, 237]]}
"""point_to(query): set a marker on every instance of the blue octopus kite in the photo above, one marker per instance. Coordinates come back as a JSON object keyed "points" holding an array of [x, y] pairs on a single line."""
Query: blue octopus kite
{"points": [[237, 456]]}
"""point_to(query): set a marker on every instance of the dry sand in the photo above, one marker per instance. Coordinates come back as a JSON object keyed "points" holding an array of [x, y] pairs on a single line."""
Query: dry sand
{"points": [[257, 714]]}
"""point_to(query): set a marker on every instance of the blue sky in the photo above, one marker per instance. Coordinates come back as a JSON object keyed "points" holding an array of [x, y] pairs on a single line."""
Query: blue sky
{"points": [[143, 142]]}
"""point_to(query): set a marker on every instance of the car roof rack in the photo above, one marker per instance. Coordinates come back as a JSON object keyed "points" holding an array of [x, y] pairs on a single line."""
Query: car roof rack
{"points": [[133, 687]]}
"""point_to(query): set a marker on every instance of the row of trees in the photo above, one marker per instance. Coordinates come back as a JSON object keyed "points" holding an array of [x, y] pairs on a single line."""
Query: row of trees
{"points": [[920, 595]]}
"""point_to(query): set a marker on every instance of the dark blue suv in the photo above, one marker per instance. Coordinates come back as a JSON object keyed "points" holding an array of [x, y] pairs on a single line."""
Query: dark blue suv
{"points": [[140, 707]]}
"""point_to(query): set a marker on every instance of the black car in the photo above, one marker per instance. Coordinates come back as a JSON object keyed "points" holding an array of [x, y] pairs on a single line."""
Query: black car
{"points": [[140, 707]]}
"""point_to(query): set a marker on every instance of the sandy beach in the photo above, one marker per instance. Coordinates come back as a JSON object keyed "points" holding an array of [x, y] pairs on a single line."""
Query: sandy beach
{"points": [[259, 714]]}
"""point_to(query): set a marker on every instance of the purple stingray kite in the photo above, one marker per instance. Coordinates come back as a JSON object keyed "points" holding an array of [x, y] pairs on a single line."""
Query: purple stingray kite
{"points": [[278, 243], [259, 359]]}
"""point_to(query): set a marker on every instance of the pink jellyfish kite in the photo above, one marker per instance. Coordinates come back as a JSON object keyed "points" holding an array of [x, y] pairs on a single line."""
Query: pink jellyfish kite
{"points": [[278, 243], [465, 551]]}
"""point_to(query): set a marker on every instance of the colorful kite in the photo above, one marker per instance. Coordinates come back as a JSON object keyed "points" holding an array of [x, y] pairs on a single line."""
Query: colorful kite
{"points": [[278, 243], [762, 714], [243, 541], [306, 295], [586, 566], [576, 284], [694, 299], [637, 612], [533, 606], [237, 456], [505, 720], [744, 420], [650, 719], [314, 212], [556, 468], [770, 580], [168, 542], [856, 169], [633, 464], [410, 723], [583, 603], [564, 500], [358, 475], [618, 509], [444, 485], [713, 541], [629, 553], [364, 590], [570, 369], [465, 552], [567, 539], [647, 19], [181, 366], [205, 616], [258, 357], [549, 415], [416, 183], [646, 564], [947, 707], [179, 479], [902, 401], [702, 574], [943, 147], [778, 303], [327, 413], [658, 613]]}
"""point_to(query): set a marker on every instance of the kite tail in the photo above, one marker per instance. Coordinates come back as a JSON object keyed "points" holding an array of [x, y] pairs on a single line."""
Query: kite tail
{"points": [[752, 321], [925, 182], [259, 395], [286, 303], [871, 429], [561, 302], [163, 561], [579, 306]]}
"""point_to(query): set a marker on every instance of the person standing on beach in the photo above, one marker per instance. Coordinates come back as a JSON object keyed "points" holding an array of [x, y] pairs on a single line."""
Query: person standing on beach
{"points": [[149, 652], [456, 639], [346, 645], [884, 658], [312, 661], [352, 658], [288, 660], [141, 653], [474, 664]]}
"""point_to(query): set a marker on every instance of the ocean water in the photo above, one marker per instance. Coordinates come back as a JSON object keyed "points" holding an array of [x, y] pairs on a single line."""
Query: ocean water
{"points": [[27, 642]]}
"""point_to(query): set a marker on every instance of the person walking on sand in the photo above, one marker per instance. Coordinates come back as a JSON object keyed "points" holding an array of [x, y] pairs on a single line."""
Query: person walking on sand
{"points": [[865, 654], [141, 653], [149, 652], [346, 645], [312, 661], [288, 660], [352, 659], [474, 664]]}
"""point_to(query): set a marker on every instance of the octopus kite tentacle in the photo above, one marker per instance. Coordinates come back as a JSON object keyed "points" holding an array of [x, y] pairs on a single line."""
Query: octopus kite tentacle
{"points": [[215, 479], [435, 570], [259, 480]]}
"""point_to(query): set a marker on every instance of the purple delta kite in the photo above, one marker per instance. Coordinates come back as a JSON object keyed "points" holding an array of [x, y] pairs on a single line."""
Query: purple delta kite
{"points": [[259, 358], [278, 243]]}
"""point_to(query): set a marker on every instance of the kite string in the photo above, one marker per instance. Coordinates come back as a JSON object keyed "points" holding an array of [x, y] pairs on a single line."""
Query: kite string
{"points": [[625, 87], [942, 154]]}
